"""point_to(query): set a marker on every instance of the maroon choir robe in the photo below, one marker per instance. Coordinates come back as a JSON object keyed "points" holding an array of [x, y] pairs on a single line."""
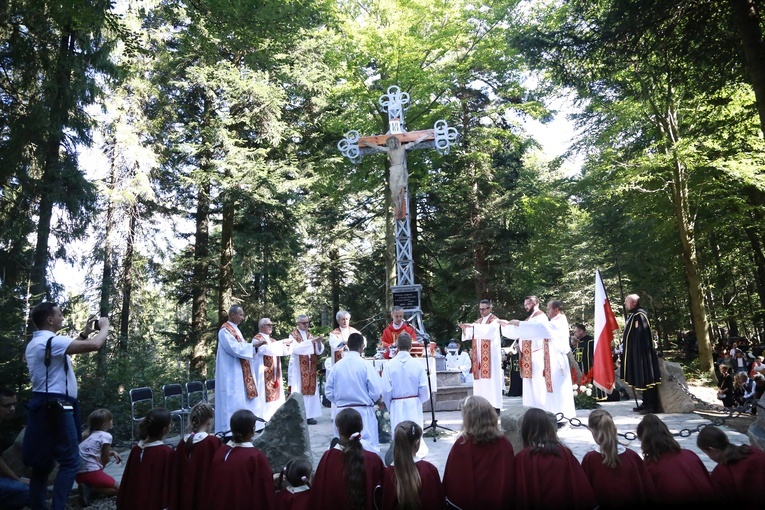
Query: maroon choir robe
{"points": [[550, 481], [286, 500], [146, 480], [628, 485], [329, 490], [742, 482], [480, 476], [191, 467], [240, 479], [681, 478], [431, 490]]}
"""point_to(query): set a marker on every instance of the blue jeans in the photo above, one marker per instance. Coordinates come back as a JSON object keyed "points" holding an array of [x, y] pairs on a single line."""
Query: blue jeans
{"points": [[13, 494], [49, 437]]}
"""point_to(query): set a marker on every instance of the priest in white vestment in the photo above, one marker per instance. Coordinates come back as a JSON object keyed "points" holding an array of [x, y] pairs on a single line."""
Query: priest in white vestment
{"points": [[353, 382], [544, 359], [235, 372], [302, 374], [486, 354], [269, 369]]}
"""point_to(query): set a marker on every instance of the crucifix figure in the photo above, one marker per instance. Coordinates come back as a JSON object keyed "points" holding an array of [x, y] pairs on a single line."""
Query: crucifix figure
{"points": [[396, 142]]}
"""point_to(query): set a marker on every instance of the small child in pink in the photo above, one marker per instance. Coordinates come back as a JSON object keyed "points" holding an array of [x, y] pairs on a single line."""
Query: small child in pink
{"points": [[95, 452]]}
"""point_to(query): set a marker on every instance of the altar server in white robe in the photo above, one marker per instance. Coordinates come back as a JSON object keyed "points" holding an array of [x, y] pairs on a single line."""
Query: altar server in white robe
{"points": [[353, 382], [544, 358], [405, 387], [486, 354], [303, 368], [404, 384], [269, 369], [235, 372]]}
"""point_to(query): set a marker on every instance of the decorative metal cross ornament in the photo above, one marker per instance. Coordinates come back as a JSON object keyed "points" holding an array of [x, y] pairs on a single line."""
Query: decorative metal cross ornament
{"points": [[396, 142]]}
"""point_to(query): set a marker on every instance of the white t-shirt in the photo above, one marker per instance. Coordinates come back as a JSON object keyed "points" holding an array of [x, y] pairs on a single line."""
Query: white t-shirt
{"points": [[90, 451], [57, 376]]}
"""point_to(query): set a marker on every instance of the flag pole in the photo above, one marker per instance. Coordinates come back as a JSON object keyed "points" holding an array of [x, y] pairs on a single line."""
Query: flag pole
{"points": [[634, 393]]}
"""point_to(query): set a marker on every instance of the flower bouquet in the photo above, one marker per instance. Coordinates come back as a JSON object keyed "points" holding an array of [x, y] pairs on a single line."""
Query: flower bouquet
{"points": [[383, 422], [584, 393]]}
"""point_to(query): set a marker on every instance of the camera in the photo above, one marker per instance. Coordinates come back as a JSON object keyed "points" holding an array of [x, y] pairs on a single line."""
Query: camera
{"points": [[94, 325]]}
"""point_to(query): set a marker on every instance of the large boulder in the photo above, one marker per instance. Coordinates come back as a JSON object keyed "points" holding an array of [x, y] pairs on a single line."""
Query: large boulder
{"points": [[12, 457], [756, 431], [285, 436], [673, 398]]}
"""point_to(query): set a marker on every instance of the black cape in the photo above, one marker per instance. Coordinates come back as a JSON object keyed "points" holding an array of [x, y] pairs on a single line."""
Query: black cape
{"points": [[640, 365]]}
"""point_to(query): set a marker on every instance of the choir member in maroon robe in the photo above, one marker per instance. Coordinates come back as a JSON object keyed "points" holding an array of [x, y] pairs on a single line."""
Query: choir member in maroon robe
{"points": [[192, 460], [146, 480], [240, 475], [617, 474], [410, 483], [347, 474], [297, 495], [547, 475], [679, 476], [479, 469], [740, 470]]}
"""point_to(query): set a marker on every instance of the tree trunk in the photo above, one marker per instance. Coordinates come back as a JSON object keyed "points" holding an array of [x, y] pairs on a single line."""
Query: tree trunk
{"points": [[759, 265], [106, 279], [226, 281], [127, 280], [746, 14], [58, 117], [690, 262], [334, 282], [199, 280]]}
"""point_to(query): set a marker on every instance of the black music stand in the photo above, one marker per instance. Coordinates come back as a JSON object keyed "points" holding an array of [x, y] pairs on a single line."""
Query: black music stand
{"points": [[433, 422]]}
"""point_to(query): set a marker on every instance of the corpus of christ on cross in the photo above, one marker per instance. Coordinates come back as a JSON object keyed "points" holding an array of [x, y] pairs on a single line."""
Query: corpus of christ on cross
{"points": [[396, 142]]}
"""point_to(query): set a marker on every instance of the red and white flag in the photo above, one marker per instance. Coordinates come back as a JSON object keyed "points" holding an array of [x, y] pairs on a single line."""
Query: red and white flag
{"points": [[603, 375]]}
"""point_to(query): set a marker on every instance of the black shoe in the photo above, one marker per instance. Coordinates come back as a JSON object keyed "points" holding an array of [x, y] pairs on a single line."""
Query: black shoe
{"points": [[649, 410], [639, 408], [312, 421]]}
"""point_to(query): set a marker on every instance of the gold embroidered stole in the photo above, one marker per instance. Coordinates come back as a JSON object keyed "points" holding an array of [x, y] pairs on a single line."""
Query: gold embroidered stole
{"points": [[249, 381], [308, 364], [272, 373], [481, 363], [338, 355], [526, 358]]}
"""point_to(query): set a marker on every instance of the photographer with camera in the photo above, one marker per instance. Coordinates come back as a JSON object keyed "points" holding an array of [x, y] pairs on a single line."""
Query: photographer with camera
{"points": [[53, 421]]}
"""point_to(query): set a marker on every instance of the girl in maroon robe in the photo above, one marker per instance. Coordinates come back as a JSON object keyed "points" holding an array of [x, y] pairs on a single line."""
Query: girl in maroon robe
{"points": [[410, 484], [240, 475], [617, 474], [679, 476], [740, 470], [547, 475], [347, 474], [479, 469], [192, 459], [146, 480], [297, 495]]}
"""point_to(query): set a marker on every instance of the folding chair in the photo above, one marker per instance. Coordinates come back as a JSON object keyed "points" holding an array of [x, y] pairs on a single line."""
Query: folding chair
{"points": [[141, 402], [210, 391], [174, 393], [195, 393]]}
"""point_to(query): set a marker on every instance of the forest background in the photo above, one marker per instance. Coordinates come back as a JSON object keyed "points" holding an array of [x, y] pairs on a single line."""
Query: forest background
{"points": [[217, 123]]}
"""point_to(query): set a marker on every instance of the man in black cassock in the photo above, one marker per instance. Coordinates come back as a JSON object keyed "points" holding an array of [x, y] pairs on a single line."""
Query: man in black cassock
{"points": [[585, 349], [640, 365]]}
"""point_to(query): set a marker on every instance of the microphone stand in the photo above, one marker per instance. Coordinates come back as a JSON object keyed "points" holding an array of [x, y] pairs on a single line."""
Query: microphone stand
{"points": [[433, 422]]}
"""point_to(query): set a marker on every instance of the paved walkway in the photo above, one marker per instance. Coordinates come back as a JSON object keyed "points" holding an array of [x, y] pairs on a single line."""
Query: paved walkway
{"points": [[578, 439]]}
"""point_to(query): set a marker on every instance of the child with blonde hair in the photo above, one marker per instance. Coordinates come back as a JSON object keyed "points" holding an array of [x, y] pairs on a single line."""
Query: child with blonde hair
{"points": [[95, 452], [617, 474]]}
